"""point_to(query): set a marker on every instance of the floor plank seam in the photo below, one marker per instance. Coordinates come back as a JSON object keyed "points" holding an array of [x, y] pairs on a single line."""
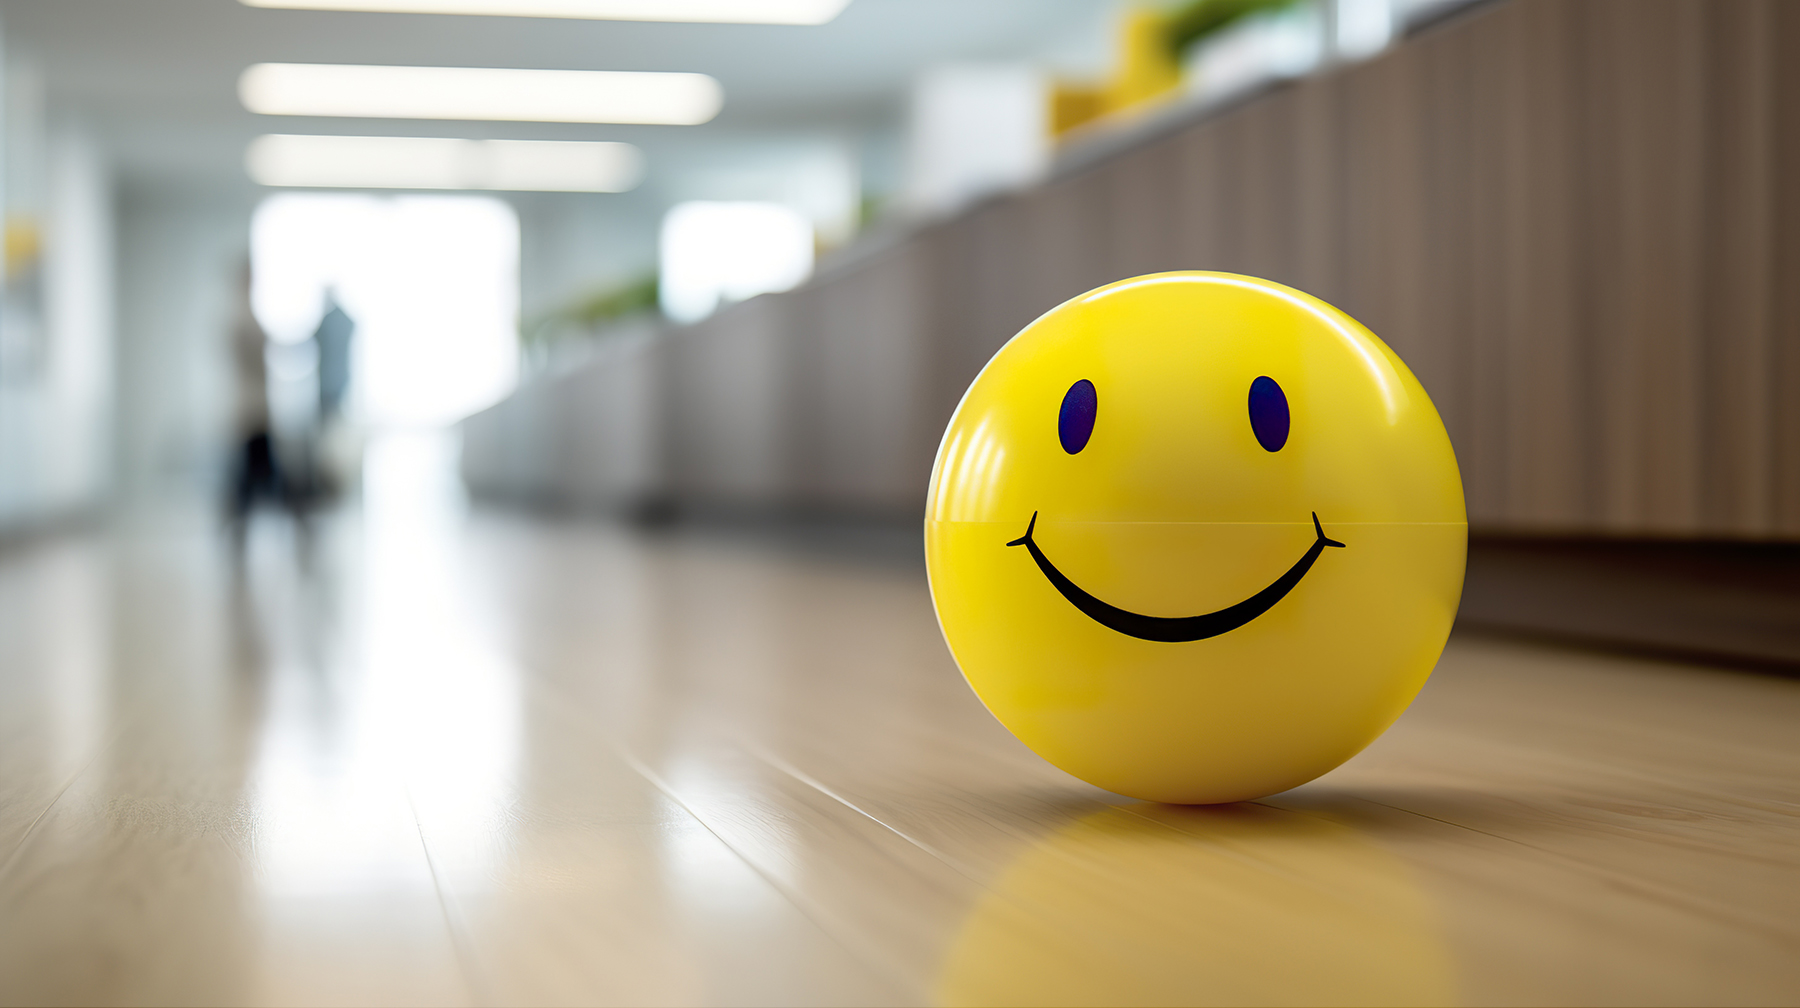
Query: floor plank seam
{"points": [[31, 830], [1724, 915], [465, 953], [818, 916], [800, 775]]}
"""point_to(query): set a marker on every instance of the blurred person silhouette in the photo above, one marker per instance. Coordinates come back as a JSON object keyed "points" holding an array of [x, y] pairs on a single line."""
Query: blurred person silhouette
{"points": [[255, 469], [333, 339], [336, 329]]}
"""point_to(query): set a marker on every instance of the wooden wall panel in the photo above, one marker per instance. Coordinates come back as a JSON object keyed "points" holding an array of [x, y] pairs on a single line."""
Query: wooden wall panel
{"points": [[1201, 210], [1263, 187], [1452, 237], [1390, 270], [1478, 87], [730, 387], [953, 344], [1648, 87], [808, 414], [1317, 195], [1570, 218], [1137, 218], [601, 453], [1235, 245], [869, 450], [1784, 314], [1541, 357], [1578, 222], [1736, 487], [1064, 231]]}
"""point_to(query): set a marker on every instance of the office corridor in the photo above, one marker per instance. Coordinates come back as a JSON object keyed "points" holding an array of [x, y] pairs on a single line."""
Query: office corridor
{"points": [[441, 757]]}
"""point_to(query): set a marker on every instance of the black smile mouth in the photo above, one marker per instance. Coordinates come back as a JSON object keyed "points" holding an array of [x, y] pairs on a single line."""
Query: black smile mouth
{"points": [[1176, 629]]}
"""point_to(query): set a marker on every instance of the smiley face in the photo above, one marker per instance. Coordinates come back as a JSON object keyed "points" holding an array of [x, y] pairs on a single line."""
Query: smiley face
{"points": [[1196, 537]]}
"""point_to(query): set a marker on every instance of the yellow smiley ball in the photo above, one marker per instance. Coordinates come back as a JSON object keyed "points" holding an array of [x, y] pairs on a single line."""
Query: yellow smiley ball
{"points": [[1196, 537]]}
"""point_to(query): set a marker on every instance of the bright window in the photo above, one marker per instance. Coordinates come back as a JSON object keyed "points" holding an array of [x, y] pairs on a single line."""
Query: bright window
{"points": [[714, 253], [432, 283]]}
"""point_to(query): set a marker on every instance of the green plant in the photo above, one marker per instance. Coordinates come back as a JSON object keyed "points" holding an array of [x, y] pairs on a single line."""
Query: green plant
{"points": [[1197, 20], [615, 302], [608, 304]]}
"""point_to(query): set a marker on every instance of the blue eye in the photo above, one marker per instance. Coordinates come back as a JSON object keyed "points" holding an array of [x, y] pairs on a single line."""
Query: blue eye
{"points": [[1268, 413], [1075, 424]]}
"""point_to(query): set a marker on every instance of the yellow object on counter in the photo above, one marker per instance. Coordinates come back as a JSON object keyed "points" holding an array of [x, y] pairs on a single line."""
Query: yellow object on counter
{"points": [[1196, 537], [1145, 72], [1146, 68]]}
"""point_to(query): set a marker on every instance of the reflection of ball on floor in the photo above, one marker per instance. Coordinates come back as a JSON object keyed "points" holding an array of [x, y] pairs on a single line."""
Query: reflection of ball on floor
{"points": [[1196, 537], [1154, 905]]}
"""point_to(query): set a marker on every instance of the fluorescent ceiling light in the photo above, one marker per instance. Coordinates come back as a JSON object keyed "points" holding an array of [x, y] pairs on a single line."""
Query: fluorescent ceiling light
{"points": [[351, 162], [400, 92], [793, 12]]}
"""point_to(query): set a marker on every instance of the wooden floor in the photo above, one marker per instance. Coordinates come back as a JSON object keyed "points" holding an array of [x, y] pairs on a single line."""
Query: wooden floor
{"points": [[514, 762]]}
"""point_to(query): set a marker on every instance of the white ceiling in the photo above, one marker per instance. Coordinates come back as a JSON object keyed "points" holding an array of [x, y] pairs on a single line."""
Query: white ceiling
{"points": [[158, 77]]}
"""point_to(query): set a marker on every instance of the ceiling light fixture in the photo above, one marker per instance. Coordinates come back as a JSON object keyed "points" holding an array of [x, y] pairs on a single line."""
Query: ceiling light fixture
{"points": [[485, 93], [357, 162], [787, 12]]}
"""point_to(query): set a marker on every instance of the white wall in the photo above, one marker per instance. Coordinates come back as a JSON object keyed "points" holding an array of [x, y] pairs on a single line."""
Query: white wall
{"points": [[575, 244], [76, 471], [976, 129], [56, 365], [181, 252]]}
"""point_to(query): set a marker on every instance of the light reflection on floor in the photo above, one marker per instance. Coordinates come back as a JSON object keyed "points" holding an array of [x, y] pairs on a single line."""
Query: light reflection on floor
{"points": [[417, 698], [389, 697]]}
